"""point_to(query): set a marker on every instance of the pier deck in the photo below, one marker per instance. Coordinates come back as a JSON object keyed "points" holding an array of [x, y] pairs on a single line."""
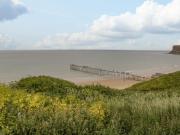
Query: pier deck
{"points": [[103, 72]]}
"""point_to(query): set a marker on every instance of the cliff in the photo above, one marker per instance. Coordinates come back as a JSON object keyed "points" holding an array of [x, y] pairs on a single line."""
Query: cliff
{"points": [[175, 50]]}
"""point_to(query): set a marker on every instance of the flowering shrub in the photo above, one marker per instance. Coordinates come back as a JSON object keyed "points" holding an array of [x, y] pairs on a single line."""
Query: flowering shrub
{"points": [[97, 109], [59, 107]]}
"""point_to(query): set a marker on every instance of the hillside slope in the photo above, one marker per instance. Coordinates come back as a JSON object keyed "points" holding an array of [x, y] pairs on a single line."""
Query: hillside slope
{"points": [[165, 82], [50, 106]]}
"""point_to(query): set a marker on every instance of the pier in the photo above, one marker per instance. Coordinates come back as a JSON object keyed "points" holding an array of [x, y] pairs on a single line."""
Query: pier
{"points": [[107, 73]]}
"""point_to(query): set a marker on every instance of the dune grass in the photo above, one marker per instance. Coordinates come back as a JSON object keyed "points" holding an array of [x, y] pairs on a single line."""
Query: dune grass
{"points": [[165, 82], [49, 106]]}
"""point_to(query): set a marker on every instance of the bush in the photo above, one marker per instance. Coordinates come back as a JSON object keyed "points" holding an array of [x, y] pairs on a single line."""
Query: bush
{"points": [[44, 84], [164, 82], [29, 108]]}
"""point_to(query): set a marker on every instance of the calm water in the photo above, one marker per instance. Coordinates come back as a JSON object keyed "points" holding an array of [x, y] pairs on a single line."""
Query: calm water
{"points": [[18, 64]]}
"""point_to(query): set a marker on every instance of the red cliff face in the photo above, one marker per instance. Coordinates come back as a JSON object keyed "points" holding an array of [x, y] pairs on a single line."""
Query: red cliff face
{"points": [[176, 49]]}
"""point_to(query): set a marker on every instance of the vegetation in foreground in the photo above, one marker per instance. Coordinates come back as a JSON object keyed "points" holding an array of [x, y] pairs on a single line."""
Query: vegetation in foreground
{"points": [[49, 106]]}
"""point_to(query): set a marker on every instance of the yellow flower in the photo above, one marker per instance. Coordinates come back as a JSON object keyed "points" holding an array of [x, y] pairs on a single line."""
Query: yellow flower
{"points": [[97, 110], [71, 99], [60, 106], [36, 101], [2, 100]]}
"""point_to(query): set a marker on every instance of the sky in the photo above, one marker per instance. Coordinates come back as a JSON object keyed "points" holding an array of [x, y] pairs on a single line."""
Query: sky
{"points": [[80, 24]]}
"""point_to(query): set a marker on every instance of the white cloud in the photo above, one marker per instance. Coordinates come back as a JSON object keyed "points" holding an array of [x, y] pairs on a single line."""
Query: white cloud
{"points": [[11, 9], [177, 42], [6, 43], [149, 18], [70, 41]]}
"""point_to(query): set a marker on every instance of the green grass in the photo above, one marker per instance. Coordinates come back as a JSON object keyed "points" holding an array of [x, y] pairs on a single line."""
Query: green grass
{"points": [[44, 84], [165, 82], [50, 106]]}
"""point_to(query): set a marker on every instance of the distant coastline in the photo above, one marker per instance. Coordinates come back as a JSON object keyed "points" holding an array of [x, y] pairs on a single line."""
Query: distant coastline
{"points": [[175, 50]]}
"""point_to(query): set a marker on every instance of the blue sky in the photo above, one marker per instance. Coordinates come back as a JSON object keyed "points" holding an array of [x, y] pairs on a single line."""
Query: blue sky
{"points": [[48, 24]]}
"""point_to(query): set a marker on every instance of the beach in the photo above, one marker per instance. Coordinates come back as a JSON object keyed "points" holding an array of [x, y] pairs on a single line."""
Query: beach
{"points": [[15, 65], [112, 83]]}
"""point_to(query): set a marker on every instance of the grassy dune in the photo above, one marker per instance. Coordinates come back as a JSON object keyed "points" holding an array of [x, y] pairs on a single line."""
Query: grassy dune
{"points": [[166, 82], [49, 106]]}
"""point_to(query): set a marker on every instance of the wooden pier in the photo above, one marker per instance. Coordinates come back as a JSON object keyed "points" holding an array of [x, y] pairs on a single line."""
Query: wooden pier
{"points": [[107, 73]]}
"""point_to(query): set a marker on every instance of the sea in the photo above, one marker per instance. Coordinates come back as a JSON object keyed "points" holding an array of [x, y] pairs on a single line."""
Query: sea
{"points": [[15, 65]]}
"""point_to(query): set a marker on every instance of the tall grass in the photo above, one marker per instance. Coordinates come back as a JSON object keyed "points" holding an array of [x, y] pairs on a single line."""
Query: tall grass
{"points": [[55, 107]]}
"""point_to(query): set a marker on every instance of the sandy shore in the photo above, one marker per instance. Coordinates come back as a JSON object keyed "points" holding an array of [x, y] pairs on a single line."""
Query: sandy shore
{"points": [[122, 84], [95, 80], [112, 83]]}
